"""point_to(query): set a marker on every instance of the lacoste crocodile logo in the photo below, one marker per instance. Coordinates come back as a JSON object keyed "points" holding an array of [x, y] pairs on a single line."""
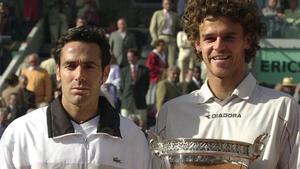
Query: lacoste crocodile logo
{"points": [[117, 160]]}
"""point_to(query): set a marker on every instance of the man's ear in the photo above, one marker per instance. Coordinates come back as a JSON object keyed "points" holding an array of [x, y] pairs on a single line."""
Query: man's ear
{"points": [[247, 42], [198, 45], [58, 78], [105, 74]]}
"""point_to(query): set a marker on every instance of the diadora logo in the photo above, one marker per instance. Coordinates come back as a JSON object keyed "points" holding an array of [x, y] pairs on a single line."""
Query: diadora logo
{"points": [[223, 115]]}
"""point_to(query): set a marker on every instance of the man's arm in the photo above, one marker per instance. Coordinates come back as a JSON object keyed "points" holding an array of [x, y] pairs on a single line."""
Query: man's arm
{"points": [[153, 28], [161, 91], [290, 138]]}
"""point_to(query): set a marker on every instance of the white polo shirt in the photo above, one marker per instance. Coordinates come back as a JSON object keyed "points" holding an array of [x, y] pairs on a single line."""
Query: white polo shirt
{"points": [[249, 112], [48, 139]]}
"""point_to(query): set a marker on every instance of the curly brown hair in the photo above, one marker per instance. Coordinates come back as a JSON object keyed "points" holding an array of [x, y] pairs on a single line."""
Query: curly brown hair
{"points": [[244, 12]]}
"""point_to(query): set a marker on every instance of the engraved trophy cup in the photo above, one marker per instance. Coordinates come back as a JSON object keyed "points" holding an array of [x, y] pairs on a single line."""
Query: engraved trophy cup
{"points": [[192, 153]]}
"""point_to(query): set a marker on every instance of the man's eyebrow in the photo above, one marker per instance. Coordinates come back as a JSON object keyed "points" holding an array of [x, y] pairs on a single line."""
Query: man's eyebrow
{"points": [[226, 34], [82, 62]]}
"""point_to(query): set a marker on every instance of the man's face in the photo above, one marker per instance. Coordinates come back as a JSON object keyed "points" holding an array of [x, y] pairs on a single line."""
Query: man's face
{"points": [[80, 73], [272, 3], [222, 44], [289, 89], [160, 47], [3, 14], [132, 59], [166, 4], [121, 24], [33, 60], [173, 76]]}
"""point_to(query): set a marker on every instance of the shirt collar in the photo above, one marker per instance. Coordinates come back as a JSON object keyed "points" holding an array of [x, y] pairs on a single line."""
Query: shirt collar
{"points": [[59, 122], [244, 90]]}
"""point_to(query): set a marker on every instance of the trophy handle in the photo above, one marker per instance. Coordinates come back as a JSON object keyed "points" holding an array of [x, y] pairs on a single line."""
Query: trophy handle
{"points": [[258, 146], [155, 142]]}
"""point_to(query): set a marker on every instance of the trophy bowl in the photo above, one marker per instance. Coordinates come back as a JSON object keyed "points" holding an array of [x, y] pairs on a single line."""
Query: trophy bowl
{"points": [[192, 153]]}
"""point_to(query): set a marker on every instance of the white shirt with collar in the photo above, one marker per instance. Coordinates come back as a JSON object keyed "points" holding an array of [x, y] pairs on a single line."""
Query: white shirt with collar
{"points": [[249, 112], [26, 143]]}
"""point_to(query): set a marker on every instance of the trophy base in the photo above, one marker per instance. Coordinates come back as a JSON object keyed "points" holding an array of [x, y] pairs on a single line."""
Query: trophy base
{"points": [[216, 166]]}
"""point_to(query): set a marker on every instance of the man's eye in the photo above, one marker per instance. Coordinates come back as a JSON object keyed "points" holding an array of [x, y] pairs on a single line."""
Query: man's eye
{"points": [[89, 66], [70, 67], [229, 38], [209, 39]]}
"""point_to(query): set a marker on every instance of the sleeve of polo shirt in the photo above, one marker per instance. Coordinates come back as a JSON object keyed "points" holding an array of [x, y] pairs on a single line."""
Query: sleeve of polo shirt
{"points": [[290, 138]]}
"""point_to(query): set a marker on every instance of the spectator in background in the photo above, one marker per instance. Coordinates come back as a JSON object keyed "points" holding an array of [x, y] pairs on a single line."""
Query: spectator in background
{"points": [[112, 84], [287, 86], [89, 9], [134, 86], [27, 96], [50, 66], [165, 25], [168, 88], [80, 21], [195, 83], [3, 119], [270, 9], [57, 17], [39, 80], [12, 82], [186, 54], [274, 18], [120, 41], [15, 106], [157, 64], [32, 10], [8, 36], [292, 18]]}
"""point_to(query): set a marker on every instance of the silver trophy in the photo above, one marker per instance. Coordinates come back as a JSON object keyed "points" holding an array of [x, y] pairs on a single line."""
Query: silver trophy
{"points": [[192, 153]]}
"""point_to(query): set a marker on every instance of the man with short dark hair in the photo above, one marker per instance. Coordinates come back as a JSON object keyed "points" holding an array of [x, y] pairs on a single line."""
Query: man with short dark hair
{"points": [[79, 129], [120, 41], [134, 86]]}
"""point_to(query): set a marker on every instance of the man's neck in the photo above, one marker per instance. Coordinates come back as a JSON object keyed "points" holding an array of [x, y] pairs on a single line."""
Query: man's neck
{"points": [[223, 88], [81, 113], [122, 30], [166, 11]]}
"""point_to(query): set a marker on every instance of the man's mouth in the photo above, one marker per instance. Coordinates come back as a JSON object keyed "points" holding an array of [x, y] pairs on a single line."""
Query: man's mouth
{"points": [[220, 57], [79, 88]]}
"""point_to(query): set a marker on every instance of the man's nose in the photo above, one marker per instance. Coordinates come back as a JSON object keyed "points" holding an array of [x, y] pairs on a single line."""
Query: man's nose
{"points": [[219, 44], [80, 73]]}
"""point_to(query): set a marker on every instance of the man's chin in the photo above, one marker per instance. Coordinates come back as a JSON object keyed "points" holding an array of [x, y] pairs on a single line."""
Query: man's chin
{"points": [[79, 100]]}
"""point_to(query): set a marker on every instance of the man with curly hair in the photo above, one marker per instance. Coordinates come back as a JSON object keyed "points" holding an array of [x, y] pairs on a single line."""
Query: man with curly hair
{"points": [[230, 105]]}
